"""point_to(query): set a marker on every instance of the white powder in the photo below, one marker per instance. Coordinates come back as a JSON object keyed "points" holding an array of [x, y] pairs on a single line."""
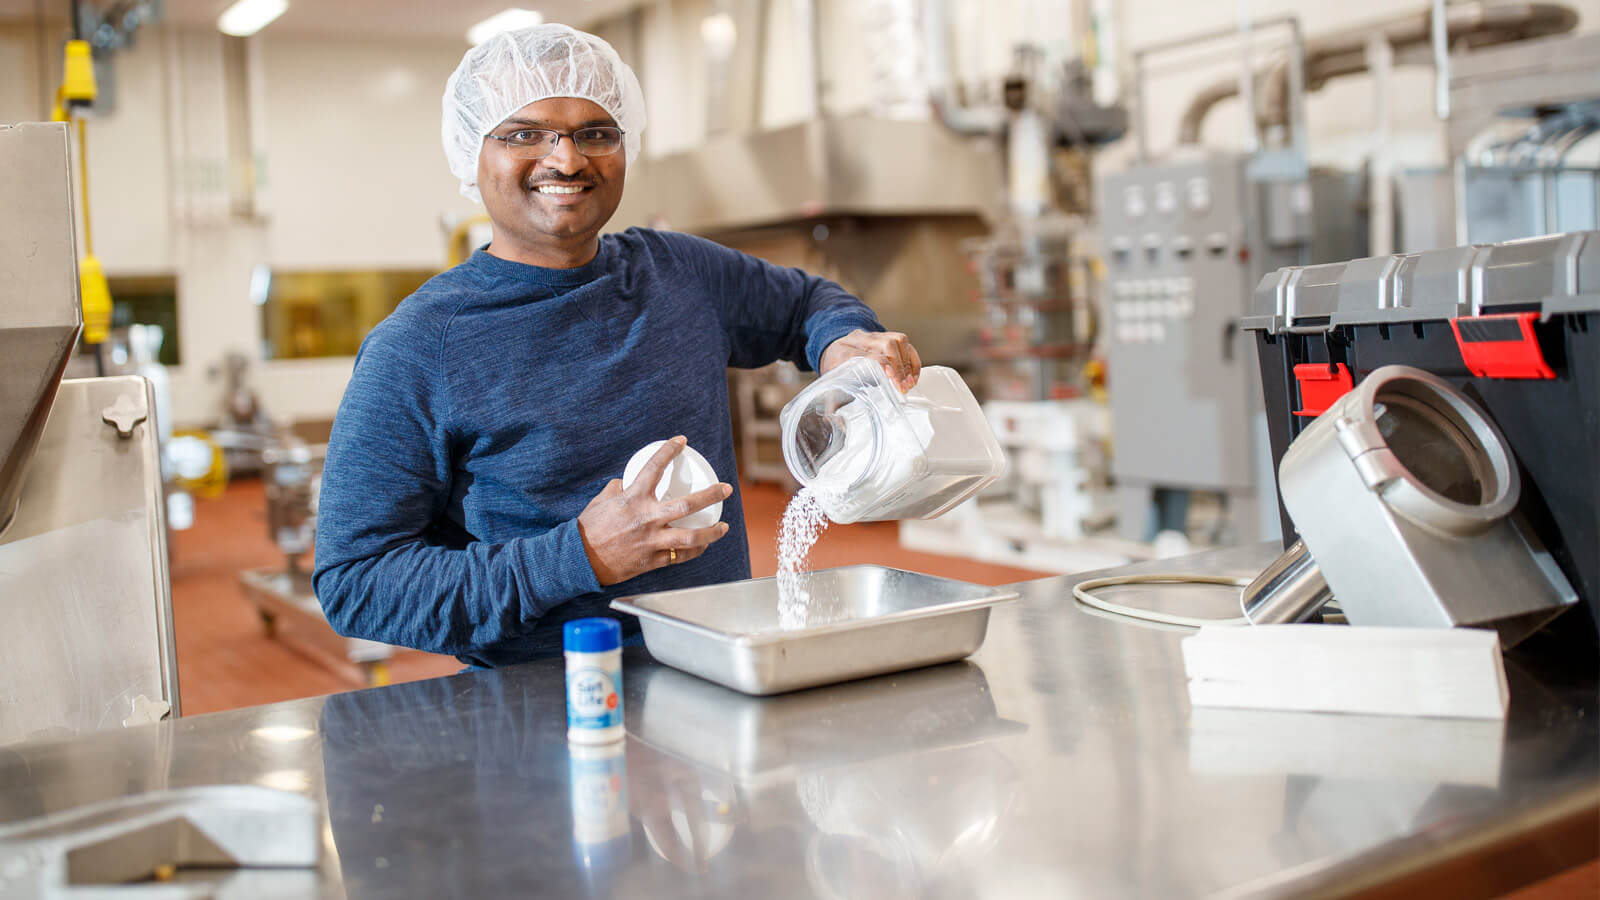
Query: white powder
{"points": [[803, 522], [899, 445]]}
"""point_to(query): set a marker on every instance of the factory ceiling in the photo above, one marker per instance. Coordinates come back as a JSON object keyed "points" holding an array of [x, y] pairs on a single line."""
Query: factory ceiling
{"points": [[356, 18]]}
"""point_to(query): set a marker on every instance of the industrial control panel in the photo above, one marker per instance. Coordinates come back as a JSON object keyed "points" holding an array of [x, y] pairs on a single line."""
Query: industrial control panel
{"points": [[1186, 241]]}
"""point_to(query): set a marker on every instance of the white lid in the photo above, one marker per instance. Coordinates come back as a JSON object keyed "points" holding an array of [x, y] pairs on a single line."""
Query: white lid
{"points": [[686, 473]]}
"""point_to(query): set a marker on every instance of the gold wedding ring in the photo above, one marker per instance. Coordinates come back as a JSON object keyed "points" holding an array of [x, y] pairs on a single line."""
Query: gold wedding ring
{"points": [[672, 555]]}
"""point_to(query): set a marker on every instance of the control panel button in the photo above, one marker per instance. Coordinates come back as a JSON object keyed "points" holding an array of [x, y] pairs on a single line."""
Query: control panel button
{"points": [[1166, 198], [1133, 204]]}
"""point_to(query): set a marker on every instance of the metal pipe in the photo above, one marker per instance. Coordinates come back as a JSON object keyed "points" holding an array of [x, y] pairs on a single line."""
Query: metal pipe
{"points": [[1141, 116], [1247, 76], [1142, 119], [1208, 36], [968, 120], [1380, 185], [1344, 52], [1439, 32], [1107, 52], [758, 77], [1141, 123], [1289, 590], [1300, 140], [812, 16]]}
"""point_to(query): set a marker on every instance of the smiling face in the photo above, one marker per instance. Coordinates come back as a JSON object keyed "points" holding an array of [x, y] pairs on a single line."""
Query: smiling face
{"points": [[550, 211]]}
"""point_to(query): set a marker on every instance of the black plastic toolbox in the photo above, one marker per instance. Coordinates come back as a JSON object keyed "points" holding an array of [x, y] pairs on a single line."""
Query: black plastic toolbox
{"points": [[1514, 326]]}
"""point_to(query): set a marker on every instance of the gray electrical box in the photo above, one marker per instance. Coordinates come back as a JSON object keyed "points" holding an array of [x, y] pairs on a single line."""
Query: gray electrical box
{"points": [[1186, 242]]}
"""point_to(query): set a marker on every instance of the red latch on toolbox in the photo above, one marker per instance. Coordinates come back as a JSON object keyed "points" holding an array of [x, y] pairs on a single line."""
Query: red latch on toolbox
{"points": [[1320, 386], [1501, 346]]}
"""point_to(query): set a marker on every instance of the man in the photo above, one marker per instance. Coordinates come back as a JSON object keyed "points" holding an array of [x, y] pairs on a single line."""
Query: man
{"points": [[470, 501]]}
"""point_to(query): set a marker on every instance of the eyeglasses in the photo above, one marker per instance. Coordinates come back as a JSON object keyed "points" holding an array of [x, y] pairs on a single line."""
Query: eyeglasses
{"points": [[537, 143]]}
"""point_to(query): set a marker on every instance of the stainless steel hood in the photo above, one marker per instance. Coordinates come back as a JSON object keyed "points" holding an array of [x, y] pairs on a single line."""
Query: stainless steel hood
{"points": [[834, 165], [83, 561], [40, 314]]}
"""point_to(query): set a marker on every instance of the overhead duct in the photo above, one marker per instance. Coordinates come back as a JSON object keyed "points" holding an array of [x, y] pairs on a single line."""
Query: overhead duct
{"points": [[1345, 53]]}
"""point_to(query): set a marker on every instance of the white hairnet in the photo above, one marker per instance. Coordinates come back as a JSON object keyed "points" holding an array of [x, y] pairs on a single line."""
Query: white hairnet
{"points": [[515, 68]]}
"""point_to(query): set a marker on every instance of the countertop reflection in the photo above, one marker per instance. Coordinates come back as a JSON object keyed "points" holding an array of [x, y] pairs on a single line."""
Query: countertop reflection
{"points": [[1062, 760]]}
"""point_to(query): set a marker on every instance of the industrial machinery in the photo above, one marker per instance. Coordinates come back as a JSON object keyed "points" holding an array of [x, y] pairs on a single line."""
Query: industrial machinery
{"points": [[1522, 146], [1038, 274], [758, 395], [1037, 268], [1037, 284], [821, 194], [1061, 465], [244, 430], [283, 597], [1186, 241], [1507, 342], [1188, 236], [87, 603], [1403, 493]]}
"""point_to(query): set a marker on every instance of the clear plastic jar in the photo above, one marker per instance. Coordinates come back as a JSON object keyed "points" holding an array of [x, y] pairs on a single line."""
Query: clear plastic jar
{"points": [[870, 452]]}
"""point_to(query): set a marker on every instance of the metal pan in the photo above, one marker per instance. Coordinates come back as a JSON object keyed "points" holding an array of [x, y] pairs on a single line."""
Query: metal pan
{"points": [[860, 621]]}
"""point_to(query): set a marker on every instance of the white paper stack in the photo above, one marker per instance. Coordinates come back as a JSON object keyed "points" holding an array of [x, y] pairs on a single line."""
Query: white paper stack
{"points": [[1447, 672]]}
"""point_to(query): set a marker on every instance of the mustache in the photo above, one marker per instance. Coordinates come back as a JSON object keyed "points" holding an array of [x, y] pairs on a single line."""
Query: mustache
{"points": [[560, 178]]}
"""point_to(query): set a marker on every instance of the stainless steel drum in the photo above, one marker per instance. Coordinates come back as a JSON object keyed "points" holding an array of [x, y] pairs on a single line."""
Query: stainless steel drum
{"points": [[1404, 495]]}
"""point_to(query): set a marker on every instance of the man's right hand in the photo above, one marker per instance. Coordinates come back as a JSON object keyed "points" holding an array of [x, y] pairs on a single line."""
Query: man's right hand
{"points": [[627, 532]]}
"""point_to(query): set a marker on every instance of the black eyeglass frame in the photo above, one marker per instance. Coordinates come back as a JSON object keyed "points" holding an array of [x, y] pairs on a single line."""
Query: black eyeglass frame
{"points": [[569, 135]]}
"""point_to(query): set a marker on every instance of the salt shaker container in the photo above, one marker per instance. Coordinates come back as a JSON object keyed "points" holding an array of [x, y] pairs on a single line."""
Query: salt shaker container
{"points": [[870, 452], [594, 680]]}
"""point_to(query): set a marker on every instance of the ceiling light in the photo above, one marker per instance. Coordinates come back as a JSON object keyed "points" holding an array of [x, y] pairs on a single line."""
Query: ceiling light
{"points": [[504, 20], [719, 34], [250, 16]]}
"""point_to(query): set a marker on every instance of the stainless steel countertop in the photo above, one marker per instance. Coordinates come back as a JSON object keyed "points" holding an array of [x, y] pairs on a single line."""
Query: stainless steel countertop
{"points": [[1062, 760]]}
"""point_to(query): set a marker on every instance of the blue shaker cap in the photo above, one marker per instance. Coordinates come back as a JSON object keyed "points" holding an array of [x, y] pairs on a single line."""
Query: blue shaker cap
{"points": [[595, 635]]}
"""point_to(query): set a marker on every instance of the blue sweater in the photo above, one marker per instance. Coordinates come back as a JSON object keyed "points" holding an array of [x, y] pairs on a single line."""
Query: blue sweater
{"points": [[494, 403]]}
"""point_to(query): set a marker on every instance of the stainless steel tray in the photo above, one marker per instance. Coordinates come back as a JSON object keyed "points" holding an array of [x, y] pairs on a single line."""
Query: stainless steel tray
{"points": [[866, 620]]}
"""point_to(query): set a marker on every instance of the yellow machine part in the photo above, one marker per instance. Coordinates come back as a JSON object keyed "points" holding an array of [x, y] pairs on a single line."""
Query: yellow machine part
{"points": [[210, 485], [78, 89], [96, 296], [77, 78]]}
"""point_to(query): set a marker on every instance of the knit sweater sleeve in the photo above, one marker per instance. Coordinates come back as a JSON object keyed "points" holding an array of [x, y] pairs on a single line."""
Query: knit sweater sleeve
{"points": [[770, 312], [387, 567]]}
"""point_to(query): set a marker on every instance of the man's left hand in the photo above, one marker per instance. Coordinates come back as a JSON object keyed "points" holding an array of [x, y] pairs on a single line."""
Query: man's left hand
{"points": [[890, 348]]}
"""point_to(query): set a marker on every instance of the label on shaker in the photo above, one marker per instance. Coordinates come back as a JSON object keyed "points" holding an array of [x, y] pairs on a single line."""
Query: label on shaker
{"points": [[592, 700]]}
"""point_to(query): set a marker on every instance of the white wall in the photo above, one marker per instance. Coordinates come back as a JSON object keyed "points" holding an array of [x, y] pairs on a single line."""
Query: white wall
{"points": [[130, 170], [355, 171], [673, 75], [17, 87]]}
